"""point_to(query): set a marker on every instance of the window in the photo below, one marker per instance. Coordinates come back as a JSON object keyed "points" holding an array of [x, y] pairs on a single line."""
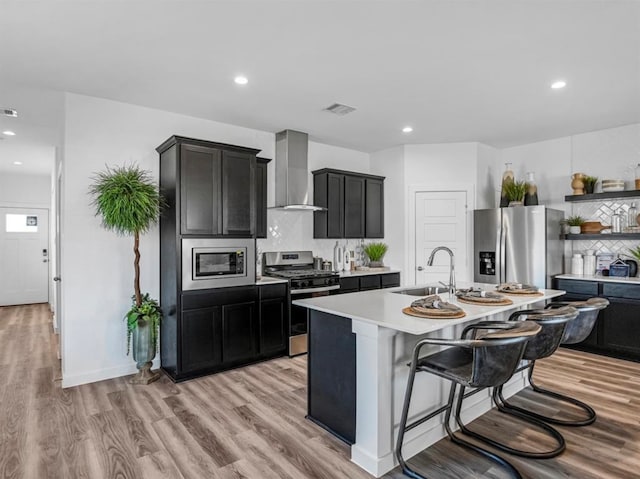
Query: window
{"points": [[21, 223]]}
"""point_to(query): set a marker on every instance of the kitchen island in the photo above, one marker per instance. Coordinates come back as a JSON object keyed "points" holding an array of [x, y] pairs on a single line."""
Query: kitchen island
{"points": [[359, 347]]}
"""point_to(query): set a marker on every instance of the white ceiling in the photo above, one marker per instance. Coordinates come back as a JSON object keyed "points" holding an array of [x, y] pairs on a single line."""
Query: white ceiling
{"points": [[454, 70]]}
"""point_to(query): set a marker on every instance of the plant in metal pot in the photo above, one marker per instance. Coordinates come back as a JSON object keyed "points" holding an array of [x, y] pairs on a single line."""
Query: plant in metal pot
{"points": [[515, 191], [635, 252], [589, 184], [375, 252], [129, 202]]}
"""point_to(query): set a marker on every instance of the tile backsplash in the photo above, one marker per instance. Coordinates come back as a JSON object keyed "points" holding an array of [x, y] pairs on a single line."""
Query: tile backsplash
{"points": [[293, 231]]}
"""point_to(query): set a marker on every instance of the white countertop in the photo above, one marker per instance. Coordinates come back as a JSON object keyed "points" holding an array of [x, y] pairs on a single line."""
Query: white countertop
{"points": [[346, 274], [602, 279], [269, 280], [383, 308]]}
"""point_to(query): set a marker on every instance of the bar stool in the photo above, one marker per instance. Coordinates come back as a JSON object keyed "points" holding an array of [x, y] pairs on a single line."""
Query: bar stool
{"points": [[553, 324], [487, 358], [575, 332]]}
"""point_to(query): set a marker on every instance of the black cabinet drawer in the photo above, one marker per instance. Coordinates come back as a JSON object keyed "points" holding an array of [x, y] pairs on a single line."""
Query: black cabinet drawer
{"points": [[621, 326], [273, 291], [618, 290], [349, 285], [370, 282], [390, 280], [217, 297], [577, 286]]}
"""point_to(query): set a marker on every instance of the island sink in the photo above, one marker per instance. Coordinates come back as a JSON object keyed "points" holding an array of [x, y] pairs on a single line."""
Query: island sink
{"points": [[422, 290]]}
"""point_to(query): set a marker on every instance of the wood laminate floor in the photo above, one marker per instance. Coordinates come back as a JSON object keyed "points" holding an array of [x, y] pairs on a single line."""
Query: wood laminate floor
{"points": [[249, 423]]}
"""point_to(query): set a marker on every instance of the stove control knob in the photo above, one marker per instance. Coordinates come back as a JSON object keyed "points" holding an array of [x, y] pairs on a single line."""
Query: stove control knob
{"points": [[303, 284]]}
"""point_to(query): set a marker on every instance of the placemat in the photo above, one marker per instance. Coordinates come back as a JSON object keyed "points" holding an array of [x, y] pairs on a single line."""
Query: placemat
{"points": [[485, 301], [523, 293], [433, 314]]}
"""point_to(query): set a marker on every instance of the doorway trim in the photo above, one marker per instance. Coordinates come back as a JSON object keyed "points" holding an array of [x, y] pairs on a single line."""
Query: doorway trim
{"points": [[410, 230]]}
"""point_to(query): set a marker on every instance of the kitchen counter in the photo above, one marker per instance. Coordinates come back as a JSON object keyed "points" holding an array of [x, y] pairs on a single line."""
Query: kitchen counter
{"points": [[347, 274], [601, 279], [359, 347], [268, 280], [383, 307]]}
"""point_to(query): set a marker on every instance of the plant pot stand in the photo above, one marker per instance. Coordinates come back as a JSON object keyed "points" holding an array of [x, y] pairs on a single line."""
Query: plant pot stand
{"points": [[145, 375]]}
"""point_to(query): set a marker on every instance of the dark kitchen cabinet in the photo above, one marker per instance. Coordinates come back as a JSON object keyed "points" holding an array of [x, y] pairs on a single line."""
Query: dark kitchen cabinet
{"points": [[210, 187], [225, 328], [366, 282], [354, 204], [261, 197], [617, 329]]}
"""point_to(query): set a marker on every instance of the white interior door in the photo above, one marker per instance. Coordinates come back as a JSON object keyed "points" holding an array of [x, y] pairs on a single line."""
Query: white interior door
{"points": [[440, 221], [24, 256]]}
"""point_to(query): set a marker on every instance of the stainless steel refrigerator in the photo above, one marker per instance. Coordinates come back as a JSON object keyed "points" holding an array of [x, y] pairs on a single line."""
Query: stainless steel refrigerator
{"points": [[520, 244]]}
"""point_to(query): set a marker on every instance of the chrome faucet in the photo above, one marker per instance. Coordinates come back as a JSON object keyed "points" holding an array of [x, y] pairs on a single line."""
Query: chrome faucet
{"points": [[452, 274]]}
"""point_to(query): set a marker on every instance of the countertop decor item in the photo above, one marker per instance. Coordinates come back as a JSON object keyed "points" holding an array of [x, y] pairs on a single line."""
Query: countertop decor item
{"points": [[375, 252], [128, 200], [518, 288], [515, 191], [612, 186], [531, 195], [433, 307], [619, 269], [577, 184], [480, 296], [590, 184]]}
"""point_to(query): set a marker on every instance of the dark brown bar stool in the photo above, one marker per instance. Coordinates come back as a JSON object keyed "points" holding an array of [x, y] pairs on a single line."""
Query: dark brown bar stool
{"points": [[487, 355], [576, 331], [553, 323]]}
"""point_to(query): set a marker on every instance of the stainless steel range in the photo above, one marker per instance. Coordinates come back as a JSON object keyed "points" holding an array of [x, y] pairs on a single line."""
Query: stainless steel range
{"points": [[304, 282]]}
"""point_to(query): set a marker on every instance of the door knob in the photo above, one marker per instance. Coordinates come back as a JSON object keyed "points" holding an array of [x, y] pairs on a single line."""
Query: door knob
{"points": [[420, 268], [57, 278]]}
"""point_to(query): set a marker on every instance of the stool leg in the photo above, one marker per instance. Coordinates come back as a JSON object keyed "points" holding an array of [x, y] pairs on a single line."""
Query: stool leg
{"points": [[461, 442], [590, 413], [497, 394]]}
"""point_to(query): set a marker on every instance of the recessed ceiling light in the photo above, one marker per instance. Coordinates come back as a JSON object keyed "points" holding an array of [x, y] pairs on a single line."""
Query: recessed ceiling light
{"points": [[9, 112], [17, 162], [241, 80], [556, 85], [407, 129], [8, 133]]}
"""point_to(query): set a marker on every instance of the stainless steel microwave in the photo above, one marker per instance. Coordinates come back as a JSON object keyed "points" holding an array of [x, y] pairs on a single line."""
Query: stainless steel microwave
{"points": [[218, 262]]}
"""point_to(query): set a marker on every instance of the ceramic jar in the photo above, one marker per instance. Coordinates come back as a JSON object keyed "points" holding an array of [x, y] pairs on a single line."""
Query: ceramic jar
{"points": [[577, 184]]}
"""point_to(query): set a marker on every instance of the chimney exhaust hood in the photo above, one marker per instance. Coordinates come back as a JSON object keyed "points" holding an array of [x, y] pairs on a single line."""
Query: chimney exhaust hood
{"points": [[292, 175]]}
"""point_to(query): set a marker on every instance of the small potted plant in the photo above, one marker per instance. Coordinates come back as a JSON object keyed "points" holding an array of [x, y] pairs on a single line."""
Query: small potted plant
{"points": [[515, 191], [589, 184], [375, 252], [575, 222], [129, 202]]}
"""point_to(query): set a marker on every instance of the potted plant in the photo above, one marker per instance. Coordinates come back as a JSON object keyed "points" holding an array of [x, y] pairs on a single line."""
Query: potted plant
{"points": [[589, 184], [129, 203], [574, 223], [375, 253], [515, 191]]}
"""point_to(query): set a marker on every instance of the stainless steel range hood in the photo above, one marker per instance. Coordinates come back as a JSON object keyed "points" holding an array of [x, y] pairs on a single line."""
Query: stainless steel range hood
{"points": [[292, 175]]}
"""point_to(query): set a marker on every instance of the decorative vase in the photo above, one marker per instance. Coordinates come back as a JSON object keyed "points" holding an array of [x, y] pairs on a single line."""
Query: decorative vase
{"points": [[588, 188], [507, 176], [531, 196], [376, 264], [577, 184], [144, 350], [574, 230]]}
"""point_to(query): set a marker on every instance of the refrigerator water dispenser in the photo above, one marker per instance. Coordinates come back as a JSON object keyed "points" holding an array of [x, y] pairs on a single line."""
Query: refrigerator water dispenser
{"points": [[487, 262]]}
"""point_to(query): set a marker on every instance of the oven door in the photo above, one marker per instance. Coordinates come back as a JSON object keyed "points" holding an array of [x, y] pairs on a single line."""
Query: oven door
{"points": [[298, 328], [213, 263]]}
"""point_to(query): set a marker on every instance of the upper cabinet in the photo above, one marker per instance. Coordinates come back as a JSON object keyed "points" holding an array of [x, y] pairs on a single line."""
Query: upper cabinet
{"points": [[212, 187], [354, 204], [261, 197]]}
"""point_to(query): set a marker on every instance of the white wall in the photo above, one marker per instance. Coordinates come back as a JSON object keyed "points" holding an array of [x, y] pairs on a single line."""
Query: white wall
{"points": [[25, 190], [98, 265]]}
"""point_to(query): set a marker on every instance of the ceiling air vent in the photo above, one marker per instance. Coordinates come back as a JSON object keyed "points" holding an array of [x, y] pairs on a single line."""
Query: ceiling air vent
{"points": [[340, 109], [9, 112]]}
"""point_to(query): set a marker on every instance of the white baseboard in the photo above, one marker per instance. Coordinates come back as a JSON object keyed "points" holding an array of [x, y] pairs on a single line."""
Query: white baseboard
{"points": [[102, 374]]}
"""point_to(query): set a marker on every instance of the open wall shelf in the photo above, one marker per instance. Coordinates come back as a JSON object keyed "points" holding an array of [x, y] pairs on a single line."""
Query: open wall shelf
{"points": [[599, 236], [604, 196]]}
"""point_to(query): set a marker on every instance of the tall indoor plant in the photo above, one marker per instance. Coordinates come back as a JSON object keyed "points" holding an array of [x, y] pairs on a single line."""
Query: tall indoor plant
{"points": [[128, 200]]}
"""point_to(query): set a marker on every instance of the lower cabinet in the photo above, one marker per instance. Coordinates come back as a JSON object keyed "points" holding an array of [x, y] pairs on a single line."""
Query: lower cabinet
{"points": [[617, 329], [228, 327], [365, 282]]}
